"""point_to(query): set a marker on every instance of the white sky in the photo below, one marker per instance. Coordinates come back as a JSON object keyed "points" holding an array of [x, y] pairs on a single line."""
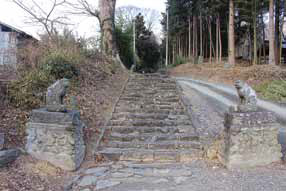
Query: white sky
{"points": [[13, 15]]}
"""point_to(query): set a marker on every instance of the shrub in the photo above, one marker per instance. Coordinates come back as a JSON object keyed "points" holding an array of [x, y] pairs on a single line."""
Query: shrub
{"points": [[50, 60], [28, 91], [59, 66]]}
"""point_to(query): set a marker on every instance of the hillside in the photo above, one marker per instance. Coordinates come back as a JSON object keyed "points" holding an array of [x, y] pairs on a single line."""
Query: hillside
{"points": [[264, 78], [98, 85]]}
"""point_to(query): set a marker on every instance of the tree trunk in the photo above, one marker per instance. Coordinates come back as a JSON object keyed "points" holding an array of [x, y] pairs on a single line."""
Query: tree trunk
{"points": [[271, 33], [190, 27], [231, 37], [106, 19], [167, 40], [193, 35], [210, 36], [196, 35], [255, 34], [281, 36], [277, 31], [263, 37], [201, 36], [179, 45], [216, 40], [220, 41]]}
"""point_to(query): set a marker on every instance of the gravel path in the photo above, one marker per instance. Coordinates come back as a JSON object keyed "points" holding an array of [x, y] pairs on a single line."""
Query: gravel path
{"points": [[206, 113]]}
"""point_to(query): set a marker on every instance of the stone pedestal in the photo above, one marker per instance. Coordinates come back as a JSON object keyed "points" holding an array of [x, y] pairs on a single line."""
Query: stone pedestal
{"points": [[250, 139], [56, 137]]}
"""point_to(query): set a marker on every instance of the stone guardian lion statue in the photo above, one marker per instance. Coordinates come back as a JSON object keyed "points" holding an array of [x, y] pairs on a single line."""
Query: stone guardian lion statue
{"points": [[55, 95], [247, 97]]}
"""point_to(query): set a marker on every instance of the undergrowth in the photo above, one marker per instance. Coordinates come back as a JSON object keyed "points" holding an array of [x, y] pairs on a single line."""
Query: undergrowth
{"points": [[179, 60], [274, 90], [41, 64]]}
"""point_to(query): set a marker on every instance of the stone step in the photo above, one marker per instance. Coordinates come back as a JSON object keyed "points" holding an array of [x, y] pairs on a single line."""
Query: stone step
{"points": [[149, 105], [149, 90], [135, 129], [173, 144], [154, 111], [151, 99], [151, 86], [153, 137], [152, 82], [146, 108], [143, 155], [150, 78], [150, 123], [138, 95], [148, 116]]}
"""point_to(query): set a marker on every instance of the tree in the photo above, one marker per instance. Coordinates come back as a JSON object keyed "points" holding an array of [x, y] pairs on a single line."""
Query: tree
{"points": [[124, 39], [231, 37], [148, 49], [271, 33], [105, 13], [126, 14], [106, 18], [39, 14]]}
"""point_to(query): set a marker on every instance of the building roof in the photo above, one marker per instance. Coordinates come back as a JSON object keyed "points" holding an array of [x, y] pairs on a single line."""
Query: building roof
{"points": [[16, 29]]}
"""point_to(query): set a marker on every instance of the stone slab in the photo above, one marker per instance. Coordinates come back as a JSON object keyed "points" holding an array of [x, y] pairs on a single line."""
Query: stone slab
{"points": [[103, 184], [44, 116], [262, 119], [8, 156], [88, 181]]}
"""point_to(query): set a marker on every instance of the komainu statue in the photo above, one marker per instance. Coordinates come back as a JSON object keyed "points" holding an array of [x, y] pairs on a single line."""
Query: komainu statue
{"points": [[247, 97], [55, 96]]}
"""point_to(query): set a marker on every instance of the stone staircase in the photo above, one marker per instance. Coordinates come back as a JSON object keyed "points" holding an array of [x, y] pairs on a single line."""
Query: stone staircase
{"points": [[150, 124]]}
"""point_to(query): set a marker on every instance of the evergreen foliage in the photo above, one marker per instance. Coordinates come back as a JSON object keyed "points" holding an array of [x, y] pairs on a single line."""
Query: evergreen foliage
{"points": [[201, 27]]}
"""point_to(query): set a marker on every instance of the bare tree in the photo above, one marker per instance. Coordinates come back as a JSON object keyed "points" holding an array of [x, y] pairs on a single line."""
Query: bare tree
{"points": [[105, 13], [125, 15], [43, 16]]}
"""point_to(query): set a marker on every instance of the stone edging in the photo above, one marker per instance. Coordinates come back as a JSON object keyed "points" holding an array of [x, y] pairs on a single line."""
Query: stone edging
{"points": [[187, 106], [111, 115]]}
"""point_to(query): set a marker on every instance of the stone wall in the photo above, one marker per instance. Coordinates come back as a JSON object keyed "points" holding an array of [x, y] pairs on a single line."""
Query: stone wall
{"points": [[56, 137], [250, 139]]}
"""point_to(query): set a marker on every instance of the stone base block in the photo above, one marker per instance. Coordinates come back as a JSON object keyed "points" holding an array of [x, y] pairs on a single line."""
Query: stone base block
{"points": [[250, 139], [56, 137], [8, 156]]}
